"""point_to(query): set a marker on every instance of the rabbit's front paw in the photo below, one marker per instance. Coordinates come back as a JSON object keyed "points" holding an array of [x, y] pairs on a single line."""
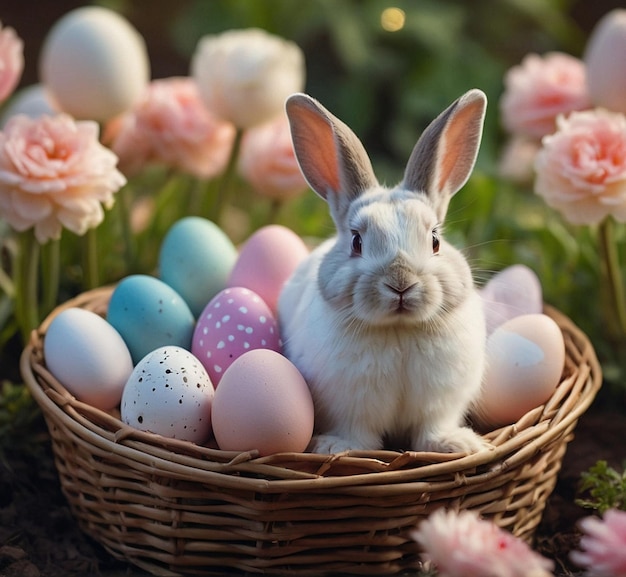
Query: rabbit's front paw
{"points": [[332, 444], [459, 440]]}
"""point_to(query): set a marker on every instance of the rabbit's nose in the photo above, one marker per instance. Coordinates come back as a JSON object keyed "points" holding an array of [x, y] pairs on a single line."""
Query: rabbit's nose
{"points": [[400, 276], [401, 290]]}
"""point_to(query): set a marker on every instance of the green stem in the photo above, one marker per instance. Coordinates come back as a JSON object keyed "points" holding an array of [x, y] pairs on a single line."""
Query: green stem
{"points": [[124, 207], [226, 183], [26, 269], [615, 281], [274, 210], [91, 275], [50, 265]]}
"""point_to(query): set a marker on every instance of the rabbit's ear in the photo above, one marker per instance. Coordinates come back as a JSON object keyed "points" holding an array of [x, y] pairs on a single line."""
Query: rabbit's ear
{"points": [[331, 157], [444, 156]]}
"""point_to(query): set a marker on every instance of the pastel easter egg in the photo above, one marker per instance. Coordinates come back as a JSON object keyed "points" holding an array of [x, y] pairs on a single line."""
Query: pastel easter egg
{"points": [[235, 321], [169, 393], [94, 63], [196, 259], [88, 357], [525, 359], [267, 260], [514, 291], [263, 403], [149, 314]]}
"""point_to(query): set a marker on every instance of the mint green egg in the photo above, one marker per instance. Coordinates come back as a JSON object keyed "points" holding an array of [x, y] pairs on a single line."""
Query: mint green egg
{"points": [[195, 259]]}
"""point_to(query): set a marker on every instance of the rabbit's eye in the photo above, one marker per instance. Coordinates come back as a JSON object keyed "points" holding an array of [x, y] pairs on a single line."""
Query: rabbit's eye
{"points": [[357, 243], [436, 241]]}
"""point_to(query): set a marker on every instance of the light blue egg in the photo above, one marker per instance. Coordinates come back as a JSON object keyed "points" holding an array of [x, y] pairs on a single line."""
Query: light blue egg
{"points": [[195, 259], [149, 314]]}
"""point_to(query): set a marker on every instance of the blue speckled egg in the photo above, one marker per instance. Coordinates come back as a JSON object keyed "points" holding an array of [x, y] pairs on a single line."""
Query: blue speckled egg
{"points": [[195, 259], [149, 314]]}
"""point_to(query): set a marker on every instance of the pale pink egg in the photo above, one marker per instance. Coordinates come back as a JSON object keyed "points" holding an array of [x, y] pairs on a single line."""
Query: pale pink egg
{"points": [[267, 260], [263, 403], [525, 359], [235, 321], [514, 291]]}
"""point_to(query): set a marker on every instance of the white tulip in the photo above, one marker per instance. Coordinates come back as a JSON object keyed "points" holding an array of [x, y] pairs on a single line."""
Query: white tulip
{"points": [[605, 58], [94, 64], [244, 76]]}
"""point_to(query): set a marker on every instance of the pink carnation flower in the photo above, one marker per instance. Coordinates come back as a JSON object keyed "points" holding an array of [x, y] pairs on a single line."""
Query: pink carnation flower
{"points": [[463, 545], [603, 545], [267, 160], [11, 61], [171, 126], [54, 173], [541, 88], [581, 169]]}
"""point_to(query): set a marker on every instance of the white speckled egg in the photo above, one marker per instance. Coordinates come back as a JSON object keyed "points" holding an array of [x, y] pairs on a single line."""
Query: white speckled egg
{"points": [[149, 314], [170, 393], [267, 260], [263, 403], [525, 360], [195, 259], [235, 321], [88, 356]]}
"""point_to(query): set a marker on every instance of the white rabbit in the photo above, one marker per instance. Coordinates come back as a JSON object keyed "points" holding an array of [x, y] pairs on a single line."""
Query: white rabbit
{"points": [[383, 320]]}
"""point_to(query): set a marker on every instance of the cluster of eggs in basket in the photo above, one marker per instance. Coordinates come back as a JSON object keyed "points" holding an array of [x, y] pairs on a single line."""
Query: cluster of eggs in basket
{"points": [[195, 354]]}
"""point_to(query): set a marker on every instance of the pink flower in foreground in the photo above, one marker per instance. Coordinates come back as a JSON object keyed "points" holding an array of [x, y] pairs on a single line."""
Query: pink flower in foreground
{"points": [[541, 88], [54, 173], [463, 545], [171, 125], [581, 169], [603, 545], [267, 160], [11, 61]]}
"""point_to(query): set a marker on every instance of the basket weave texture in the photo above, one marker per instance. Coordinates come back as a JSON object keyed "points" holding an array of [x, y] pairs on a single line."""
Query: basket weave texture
{"points": [[175, 508]]}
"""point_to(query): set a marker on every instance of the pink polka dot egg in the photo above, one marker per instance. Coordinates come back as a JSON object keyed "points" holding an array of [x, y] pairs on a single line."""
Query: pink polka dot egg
{"points": [[235, 321]]}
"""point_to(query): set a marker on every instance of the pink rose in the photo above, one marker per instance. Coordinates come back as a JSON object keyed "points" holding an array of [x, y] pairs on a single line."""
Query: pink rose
{"points": [[605, 57], [267, 160], [171, 125], [581, 169], [54, 173], [463, 545], [603, 545], [11, 61], [541, 88]]}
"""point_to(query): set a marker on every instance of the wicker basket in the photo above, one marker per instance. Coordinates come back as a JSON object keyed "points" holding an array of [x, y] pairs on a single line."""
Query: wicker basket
{"points": [[172, 507]]}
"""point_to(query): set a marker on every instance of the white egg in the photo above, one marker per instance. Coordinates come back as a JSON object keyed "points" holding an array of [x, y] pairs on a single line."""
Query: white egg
{"points": [[88, 357], [94, 64], [170, 393], [525, 359]]}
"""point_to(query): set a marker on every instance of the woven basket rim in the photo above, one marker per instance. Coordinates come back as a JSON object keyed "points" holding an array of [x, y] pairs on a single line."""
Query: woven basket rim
{"points": [[283, 471]]}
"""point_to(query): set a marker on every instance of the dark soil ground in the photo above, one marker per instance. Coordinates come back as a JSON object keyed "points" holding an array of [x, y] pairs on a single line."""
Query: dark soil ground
{"points": [[39, 537]]}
